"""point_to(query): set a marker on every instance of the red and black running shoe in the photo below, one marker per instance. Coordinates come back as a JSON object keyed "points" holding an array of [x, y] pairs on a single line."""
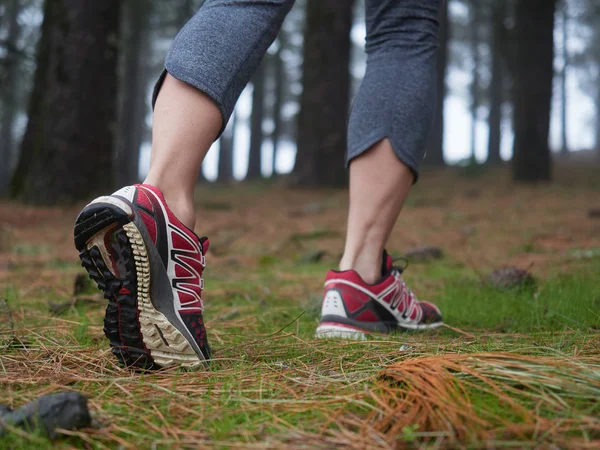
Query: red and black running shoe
{"points": [[149, 266], [352, 308]]}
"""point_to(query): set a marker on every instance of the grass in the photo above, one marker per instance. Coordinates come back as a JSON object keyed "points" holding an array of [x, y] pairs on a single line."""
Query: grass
{"points": [[516, 368]]}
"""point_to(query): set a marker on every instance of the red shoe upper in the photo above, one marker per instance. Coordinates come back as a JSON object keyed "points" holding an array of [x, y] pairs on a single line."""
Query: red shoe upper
{"points": [[181, 250], [388, 299]]}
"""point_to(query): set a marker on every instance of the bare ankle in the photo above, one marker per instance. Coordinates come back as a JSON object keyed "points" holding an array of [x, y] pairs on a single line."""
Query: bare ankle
{"points": [[180, 202], [183, 210], [366, 264]]}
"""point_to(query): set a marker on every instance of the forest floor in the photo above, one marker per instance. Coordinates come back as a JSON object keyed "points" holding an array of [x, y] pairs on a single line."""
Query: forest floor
{"points": [[512, 368]]}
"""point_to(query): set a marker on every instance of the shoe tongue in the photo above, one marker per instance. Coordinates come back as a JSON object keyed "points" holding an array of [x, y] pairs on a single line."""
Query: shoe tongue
{"points": [[204, 243], [387, 263]]}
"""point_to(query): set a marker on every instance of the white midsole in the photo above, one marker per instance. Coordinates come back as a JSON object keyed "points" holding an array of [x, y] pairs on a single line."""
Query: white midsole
{"points": [[424, 326], [167, 346], [330, 330], [327, 331]]}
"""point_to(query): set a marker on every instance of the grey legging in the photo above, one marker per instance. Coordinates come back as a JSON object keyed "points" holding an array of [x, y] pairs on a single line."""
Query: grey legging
{"points": [[220, 48]]}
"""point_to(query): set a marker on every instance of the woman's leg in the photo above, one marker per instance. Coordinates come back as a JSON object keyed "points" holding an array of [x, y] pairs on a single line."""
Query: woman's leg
{"points": [[388, 127], [389, 124], [138, 244], [210, 62]]}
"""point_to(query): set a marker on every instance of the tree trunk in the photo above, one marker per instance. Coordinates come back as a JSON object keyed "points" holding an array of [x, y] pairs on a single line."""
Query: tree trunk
{"points": [[435, 143], [497, 83], [256, 119], [475, 100], [226, 141], [564, 149], [325, 97], [68, 146], [280, 81], [134, 81], [597, 135], [8, 113], [532, 93]]}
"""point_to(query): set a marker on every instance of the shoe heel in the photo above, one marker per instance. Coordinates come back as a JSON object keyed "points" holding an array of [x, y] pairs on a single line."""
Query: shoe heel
{"points": [[98, 215]]}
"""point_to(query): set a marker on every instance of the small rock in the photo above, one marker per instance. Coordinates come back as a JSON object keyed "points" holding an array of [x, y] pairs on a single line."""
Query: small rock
{"points": [[217, 206], [594, 213], [66, 410], [312, 257], [424, 254], [467, 231], [5, 239], [82, 283], [310, 209], [511, 277], [586, 254], [59, 308], [231, 262], [282, 365], [231, 314], [472, 193]]}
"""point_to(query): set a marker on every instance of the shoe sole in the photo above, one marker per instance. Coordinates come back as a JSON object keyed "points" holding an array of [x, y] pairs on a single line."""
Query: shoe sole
{"points": [[113, 252], [328, 330]]}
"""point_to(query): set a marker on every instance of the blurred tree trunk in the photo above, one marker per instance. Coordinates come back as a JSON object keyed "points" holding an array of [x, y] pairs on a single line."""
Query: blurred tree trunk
{"points": [[435, 144], [68, 146], [325, 96], [225, 171], [280, 81], [564, 149], [8, 113], [532, 91], [134, 83], [256, 119], [474, 39], [499, 38], [597, 136]]}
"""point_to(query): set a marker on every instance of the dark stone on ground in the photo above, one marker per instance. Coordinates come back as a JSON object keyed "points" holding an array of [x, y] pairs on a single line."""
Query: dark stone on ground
{"points": [[312, 257], [216, 206], [594, 213], [66, 410], [468, 231], [472, 193], [309, 209], [423, 254], [82, 283], [511, 277], [59, 308]]}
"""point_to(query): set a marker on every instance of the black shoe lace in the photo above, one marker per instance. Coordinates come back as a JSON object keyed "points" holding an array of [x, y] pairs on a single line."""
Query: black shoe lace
{"points": [[414, 302], [400, 268]]}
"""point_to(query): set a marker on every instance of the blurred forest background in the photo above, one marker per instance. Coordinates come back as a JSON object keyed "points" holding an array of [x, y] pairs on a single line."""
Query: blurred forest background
{"points": [[519, 81]]}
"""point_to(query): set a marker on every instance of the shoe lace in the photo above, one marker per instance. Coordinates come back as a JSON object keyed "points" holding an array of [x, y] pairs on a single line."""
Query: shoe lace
{"points": [[413, 302], [400, 268]]}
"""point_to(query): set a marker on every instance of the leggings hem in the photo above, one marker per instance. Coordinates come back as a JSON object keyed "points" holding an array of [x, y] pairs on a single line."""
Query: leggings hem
{"points": [[373, 139], [181, 76]]}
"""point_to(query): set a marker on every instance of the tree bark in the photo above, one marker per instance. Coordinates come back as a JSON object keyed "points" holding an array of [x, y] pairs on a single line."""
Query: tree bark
{"points": [[226, 142], [67, 150], [532, 92], [597, 131], [564, 149], [475, 100], [325, 97], [280, 81], [8, 113], [435, 144], [134, 81], [256, 119], [497, 83]]}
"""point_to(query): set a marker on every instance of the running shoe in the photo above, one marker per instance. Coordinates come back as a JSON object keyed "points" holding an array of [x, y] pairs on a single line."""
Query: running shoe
{"points": [[149, 266]]}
